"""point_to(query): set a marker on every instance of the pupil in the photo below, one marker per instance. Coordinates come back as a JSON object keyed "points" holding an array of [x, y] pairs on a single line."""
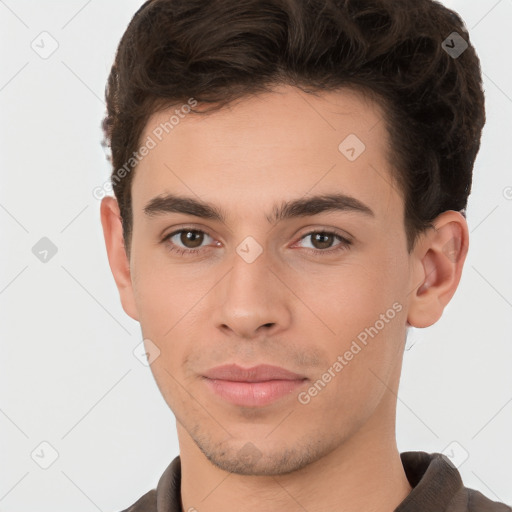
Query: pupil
{"points": [[189, 237], [325, 243], [196, 238]]}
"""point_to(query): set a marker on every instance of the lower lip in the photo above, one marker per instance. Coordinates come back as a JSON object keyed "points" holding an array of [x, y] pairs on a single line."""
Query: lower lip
{"points": [[253, 394]]}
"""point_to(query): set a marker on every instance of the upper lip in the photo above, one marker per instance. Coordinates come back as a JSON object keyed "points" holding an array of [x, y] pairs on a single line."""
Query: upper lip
{"points": [[260, 373]]}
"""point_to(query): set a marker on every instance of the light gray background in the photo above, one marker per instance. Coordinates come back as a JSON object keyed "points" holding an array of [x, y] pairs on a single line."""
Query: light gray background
{"points": [[68, 373]]}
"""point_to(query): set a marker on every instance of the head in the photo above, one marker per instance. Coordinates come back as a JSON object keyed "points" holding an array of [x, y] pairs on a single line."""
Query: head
{"points": [[320, 154]]}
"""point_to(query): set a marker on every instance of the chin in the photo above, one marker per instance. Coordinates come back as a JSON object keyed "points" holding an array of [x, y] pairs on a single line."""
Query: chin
{"points": [[249, 460]]}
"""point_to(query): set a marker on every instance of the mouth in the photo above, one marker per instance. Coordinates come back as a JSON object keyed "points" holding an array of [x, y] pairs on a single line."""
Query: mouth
{"points": [[252, 387]]}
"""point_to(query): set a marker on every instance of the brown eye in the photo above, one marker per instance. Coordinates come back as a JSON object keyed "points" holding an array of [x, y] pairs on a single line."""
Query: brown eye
{"points": [[322, 240], [191, 238], [186, 241]]}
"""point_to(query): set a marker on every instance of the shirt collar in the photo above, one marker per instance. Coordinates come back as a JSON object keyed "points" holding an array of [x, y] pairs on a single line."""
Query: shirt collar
{"points": [[433, 477]]}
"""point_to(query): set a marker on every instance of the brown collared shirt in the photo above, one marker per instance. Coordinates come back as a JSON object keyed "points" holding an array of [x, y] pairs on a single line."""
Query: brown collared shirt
{"points": [[436, 487]]}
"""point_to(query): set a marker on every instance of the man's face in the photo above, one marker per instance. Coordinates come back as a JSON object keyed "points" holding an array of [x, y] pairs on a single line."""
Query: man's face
{"points": [[264, 291]]}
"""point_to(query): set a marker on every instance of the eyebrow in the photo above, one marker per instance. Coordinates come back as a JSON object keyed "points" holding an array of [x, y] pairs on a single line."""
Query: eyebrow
{"points": [[303, 207]]}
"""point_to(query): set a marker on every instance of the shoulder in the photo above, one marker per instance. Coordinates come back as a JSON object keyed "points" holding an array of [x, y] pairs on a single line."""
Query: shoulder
{"points": [[167, 492], [146, 503], [477, 502], [437, 485]]}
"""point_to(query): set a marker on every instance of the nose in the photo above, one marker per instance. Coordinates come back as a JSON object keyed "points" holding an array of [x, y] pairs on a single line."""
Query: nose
{"points": [[252, 300]]}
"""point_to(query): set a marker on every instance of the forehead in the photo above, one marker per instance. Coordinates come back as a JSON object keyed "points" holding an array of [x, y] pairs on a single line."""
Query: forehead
{"points": [[273, 146]]}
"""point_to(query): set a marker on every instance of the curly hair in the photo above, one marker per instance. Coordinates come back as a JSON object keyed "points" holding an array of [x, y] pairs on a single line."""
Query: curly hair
{"points": [[394, 51]]}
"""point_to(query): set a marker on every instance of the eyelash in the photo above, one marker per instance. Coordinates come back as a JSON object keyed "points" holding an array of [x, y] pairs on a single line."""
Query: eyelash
{"points": [[344, 245]]}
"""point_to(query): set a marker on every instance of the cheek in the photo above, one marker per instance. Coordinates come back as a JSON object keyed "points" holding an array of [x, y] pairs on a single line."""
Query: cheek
{"points": [[363, 307], [153, 299], [369, 330], [161, 290], [170, 303], [352, 296]]}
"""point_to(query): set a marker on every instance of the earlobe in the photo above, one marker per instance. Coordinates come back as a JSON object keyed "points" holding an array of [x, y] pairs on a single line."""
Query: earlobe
{"points": [[437, 268], [117, 257]]}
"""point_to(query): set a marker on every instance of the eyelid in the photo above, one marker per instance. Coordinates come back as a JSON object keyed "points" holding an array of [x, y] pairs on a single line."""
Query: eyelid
{"points": [[344, 241], [309, 231], [327, 230], [186, 227], [166, 238]]}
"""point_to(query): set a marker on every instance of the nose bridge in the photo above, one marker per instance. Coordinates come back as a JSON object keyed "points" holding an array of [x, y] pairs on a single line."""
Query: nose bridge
{"points": [[251, 295], [250, 273]]}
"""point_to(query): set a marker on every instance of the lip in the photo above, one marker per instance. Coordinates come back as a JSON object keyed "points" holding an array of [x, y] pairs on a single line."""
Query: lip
{"points": [[260, 373], [252, 387]]}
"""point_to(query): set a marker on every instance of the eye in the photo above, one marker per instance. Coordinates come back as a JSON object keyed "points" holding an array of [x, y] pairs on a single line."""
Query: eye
{"points": [[190, 238], [189, 241], [322, 241]]}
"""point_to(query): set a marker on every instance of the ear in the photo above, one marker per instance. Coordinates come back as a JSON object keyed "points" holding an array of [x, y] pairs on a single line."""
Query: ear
{"points": [[438, 259], [118, 260]]}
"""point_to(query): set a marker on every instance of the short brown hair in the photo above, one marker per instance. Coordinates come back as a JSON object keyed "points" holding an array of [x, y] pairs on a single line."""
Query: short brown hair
{"points": [[219, 51]]}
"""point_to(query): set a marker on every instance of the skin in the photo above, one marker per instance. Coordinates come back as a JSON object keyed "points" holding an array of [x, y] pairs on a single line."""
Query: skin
{"points": [[287, 308]]}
